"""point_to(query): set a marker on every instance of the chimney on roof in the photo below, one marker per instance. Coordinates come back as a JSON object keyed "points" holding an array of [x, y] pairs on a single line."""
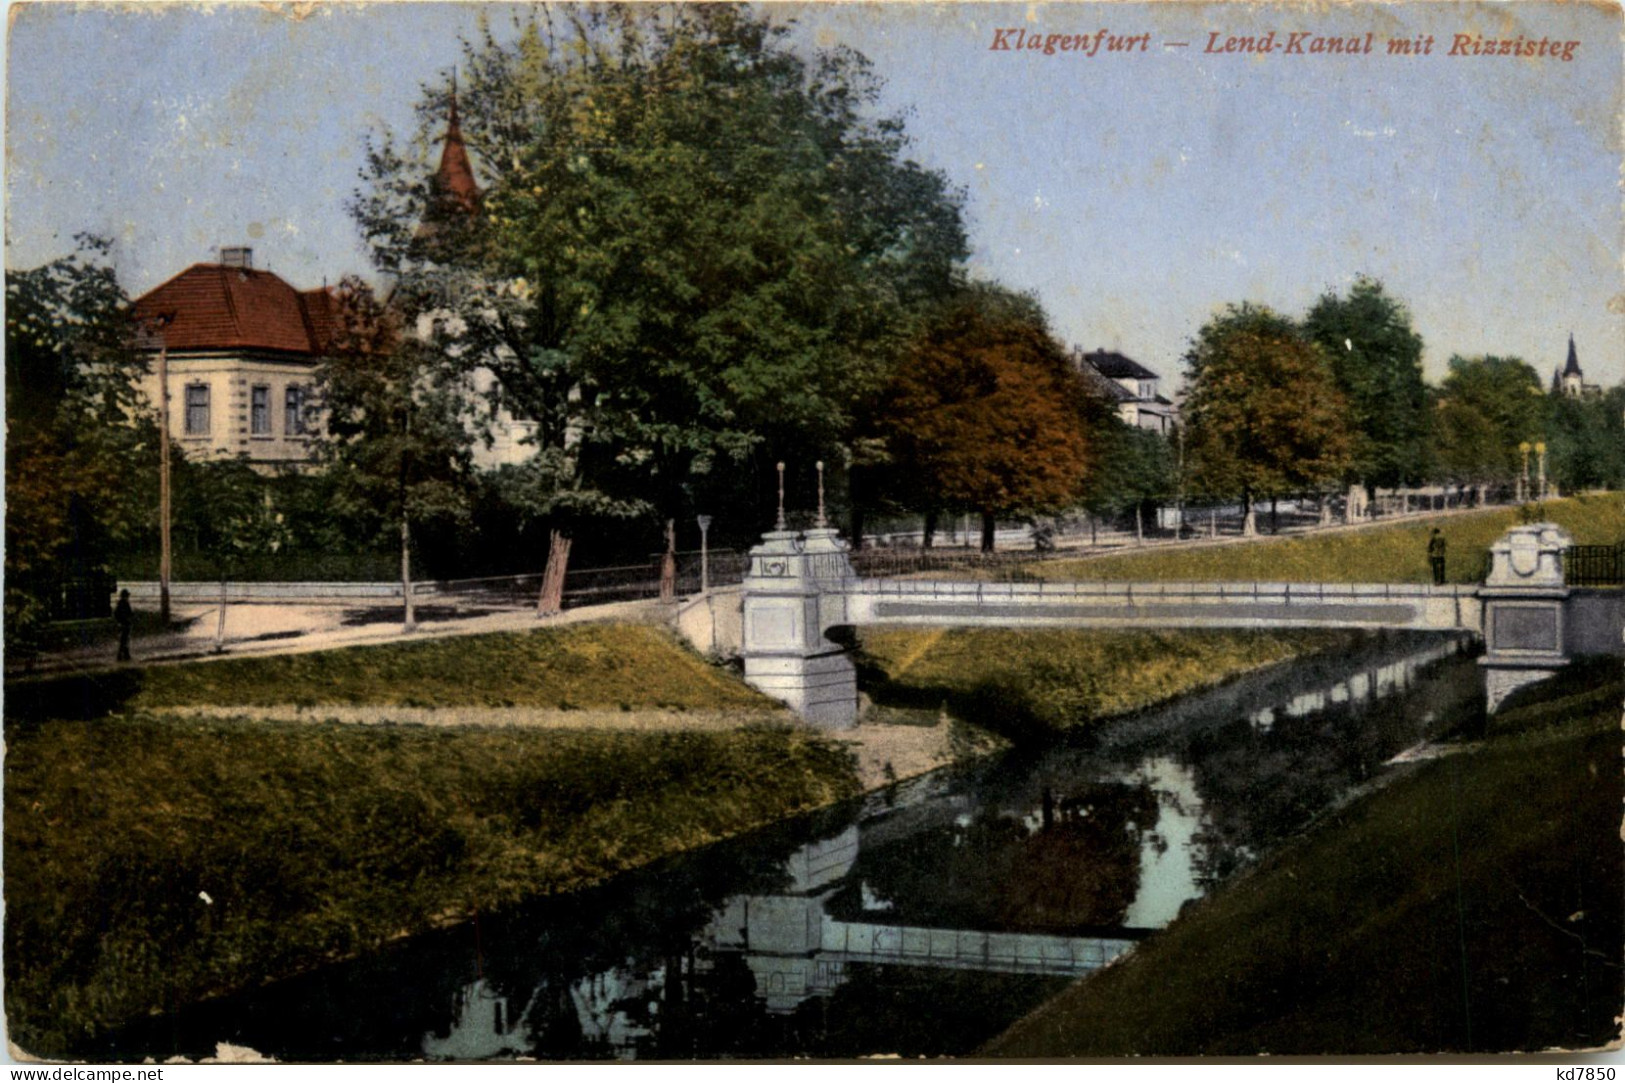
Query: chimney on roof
{"points": [[238, 256]]}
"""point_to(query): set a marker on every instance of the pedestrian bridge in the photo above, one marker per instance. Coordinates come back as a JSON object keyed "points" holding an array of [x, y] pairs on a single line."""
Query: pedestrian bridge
{"points": [[1151, 605], [799, 586]]}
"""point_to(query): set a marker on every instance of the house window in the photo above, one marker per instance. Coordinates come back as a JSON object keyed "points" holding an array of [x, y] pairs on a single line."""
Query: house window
{"points": [[293, 411], [259, 410], [197, 409]]}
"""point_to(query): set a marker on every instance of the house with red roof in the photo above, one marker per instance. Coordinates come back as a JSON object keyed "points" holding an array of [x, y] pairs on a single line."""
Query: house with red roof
{"points": [[241, 347]]}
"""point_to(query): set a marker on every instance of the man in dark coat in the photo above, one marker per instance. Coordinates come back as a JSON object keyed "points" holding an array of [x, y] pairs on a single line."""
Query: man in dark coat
{"points": [[1436, 556], [124, 617]]}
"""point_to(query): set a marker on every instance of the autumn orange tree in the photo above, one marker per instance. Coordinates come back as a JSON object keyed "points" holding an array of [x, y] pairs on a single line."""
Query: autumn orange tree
{"points": [[1265, 415], [984, 412]]}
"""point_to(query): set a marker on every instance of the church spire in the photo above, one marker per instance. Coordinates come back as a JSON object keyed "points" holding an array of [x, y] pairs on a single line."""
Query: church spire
{"points": [[1573, 367], [454, 182]]}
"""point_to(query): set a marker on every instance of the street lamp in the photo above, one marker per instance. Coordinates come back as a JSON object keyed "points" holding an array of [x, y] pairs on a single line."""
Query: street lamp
{"points": [[705, 555], [1540, 453], [1523, 478]]}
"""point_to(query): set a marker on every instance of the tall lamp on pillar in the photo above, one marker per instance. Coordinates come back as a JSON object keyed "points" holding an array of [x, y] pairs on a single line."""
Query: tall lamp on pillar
{"points": [[1540, 459], [1523, 476]]}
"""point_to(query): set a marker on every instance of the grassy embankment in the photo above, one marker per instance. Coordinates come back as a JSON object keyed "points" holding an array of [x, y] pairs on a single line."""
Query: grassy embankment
{"points": [[1043, 682], [1474, 904], [1387, 554], [315, 840]]}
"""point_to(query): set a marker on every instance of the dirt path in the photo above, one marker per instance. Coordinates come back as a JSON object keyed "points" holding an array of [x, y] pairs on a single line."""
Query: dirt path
{"points": [[885, 753]]}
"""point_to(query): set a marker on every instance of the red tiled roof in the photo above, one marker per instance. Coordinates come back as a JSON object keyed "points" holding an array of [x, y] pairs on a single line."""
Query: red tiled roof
{"points": [[215, 307]]}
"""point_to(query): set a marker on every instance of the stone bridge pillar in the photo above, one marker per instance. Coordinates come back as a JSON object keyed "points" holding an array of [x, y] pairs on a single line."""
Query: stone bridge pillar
{"points": [[1525, 602], [791, 590]]}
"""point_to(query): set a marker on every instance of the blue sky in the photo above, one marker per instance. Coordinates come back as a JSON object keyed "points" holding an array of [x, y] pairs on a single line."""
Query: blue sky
{"points": [[1135, 193]]}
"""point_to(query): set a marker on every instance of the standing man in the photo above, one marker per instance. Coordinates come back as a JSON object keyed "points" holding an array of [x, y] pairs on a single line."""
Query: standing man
{"points": [[1436, 545], [124, 617]]}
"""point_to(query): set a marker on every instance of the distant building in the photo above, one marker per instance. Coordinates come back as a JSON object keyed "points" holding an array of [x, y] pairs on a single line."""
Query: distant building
{"points": [[243, 346], [1569, 380], [1129, 386]]}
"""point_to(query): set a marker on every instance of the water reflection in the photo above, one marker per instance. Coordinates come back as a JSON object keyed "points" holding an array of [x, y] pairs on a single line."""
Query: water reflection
{"points": [[921, 924]]}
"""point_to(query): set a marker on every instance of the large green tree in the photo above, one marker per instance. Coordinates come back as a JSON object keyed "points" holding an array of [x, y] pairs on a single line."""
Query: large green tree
{"points": [[1136, 470], [1487, 407], [394, 430], [81, 445], [1587, 439], [1266, 417], [985, 413], [1376, 359], [697, 245]]}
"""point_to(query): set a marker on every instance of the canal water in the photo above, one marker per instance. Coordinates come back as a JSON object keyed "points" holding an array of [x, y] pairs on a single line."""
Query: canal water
{"points": [[921, 921]]}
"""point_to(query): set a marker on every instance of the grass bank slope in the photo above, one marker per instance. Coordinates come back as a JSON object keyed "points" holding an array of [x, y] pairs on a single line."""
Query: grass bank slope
{"points": [[314, 842], [1047, 681], [614, 666], [1473, 905], [1394, 554]]}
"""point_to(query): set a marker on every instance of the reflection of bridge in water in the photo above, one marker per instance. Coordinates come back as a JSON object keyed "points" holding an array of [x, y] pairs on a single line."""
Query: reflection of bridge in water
{"points": [[797, 950]]}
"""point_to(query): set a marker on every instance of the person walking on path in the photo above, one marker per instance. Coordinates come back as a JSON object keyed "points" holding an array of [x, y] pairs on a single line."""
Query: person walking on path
{"points": [[124, 617], [1436, 547]]}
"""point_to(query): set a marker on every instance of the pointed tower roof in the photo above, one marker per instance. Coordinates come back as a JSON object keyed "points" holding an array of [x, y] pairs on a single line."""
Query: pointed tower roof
{"points": [[454, 181], [1573, 367]]}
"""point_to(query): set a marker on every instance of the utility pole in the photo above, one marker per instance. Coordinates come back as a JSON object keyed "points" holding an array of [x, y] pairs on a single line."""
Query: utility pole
{"points": [[163, 484], [147, 337]]}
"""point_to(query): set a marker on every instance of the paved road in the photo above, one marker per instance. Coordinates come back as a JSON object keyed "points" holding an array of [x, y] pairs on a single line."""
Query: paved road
{"points": [[263, 629]]}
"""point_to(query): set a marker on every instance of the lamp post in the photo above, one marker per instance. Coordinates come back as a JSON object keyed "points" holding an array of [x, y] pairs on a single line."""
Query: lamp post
{"points": [[1523, 478], [705, 553], [779, 523], [1540, 458], [823, 521]]}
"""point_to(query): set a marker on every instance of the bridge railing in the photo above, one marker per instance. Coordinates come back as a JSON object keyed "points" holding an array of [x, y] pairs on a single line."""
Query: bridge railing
{"points": [[1238, 590], [1594, 565]]}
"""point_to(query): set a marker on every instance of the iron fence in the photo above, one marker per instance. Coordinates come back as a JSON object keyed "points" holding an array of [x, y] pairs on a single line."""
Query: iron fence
{"points": [[594, 586], [1594, 565], [886, 563]]}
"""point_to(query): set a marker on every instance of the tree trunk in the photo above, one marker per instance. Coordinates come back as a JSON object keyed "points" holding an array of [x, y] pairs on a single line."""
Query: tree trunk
{"points": [[1094, 538], [930, 531], [987, 532], [220, 625], [551, 599], [668, 564], [1139, 526], [1275, 520], [409, 618], [1249, 522]]}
